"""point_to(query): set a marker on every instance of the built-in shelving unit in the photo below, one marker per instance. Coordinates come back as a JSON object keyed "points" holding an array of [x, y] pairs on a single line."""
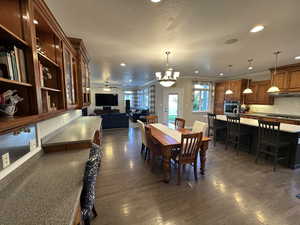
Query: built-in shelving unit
{"points": [[48, 81]]}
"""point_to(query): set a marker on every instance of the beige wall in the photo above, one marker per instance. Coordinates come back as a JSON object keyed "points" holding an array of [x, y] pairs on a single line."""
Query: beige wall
{"points": [[120, 93], [186, 85]]}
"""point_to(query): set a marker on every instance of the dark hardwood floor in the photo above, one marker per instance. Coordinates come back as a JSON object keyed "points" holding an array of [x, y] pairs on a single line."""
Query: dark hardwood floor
{"points": [[234, 191]]}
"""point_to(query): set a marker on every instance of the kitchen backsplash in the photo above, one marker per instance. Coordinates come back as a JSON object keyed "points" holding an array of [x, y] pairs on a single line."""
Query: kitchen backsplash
{"points": [[282, 105]]}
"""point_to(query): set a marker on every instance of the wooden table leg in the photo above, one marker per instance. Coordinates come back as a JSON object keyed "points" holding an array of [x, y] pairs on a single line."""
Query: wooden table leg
{"points": [[203, 150], [166, 164]]}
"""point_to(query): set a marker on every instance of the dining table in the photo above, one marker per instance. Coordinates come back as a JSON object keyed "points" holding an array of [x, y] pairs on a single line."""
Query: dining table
{"points": [[169, 139]]}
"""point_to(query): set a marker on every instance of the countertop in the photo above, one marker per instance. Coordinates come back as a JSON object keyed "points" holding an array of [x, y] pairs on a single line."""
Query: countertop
{"points": [[290, 128], [78, 131], [47, 192]]}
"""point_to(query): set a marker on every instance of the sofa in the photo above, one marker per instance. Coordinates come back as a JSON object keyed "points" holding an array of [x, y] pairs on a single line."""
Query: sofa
{"points": [[115, 120], [139, 114]]}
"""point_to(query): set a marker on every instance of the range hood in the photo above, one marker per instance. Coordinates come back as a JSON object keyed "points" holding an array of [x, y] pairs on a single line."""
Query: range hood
{"points": [[285, 94]]}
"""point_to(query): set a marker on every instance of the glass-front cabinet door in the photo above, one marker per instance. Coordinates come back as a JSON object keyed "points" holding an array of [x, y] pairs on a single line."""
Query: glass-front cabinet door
{"points": [[69, 78]]}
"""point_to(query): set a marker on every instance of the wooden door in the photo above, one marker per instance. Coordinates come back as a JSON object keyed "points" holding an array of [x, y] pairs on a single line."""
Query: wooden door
{"points": [[263, 98], [294, 80], [251, 98], [219, 98]]}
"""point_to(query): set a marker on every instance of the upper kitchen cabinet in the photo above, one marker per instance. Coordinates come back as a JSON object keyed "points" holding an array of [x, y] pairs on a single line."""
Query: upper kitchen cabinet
{"points": [[287, 78], [83, 73], [259, 95], [237, 87]]}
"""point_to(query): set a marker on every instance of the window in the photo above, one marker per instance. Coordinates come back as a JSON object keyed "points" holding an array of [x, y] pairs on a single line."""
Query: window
{"points": [[143, 98], [201, 97], [129, 95]]}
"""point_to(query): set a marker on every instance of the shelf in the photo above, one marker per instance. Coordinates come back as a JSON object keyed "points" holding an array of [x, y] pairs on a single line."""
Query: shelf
{"points": [[14, 82], [47, 61], [11, 38], [50, 89], [9, 124]]}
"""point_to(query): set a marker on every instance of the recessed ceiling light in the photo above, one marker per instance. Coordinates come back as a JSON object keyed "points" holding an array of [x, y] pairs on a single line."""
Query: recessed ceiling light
{"points": [[35, 22], [123, 64], [130, 80], [221, 74], [297, 57], [257, 28], [196, 71], [155, 1]]}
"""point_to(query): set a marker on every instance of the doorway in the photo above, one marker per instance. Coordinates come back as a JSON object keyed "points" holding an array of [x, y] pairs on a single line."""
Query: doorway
{"points": [[172, 105]]}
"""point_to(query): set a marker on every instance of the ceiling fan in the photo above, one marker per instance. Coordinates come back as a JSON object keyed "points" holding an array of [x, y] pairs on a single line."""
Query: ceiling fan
{"points": [[108, 87]]}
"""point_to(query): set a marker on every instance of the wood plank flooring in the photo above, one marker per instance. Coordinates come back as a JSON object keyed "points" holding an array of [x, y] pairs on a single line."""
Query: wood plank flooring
{"points": [[234, 191]]}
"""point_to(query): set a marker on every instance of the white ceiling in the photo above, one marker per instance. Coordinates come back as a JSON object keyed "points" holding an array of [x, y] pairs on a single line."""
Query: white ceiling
{"points": [[138, 32]]}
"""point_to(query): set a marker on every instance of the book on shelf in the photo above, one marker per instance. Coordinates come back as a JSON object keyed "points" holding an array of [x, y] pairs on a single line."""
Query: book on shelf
{"points": [[13, 63], [41, 74]]}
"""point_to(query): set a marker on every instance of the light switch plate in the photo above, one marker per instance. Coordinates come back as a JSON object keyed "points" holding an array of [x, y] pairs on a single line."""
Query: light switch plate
{"points": [[32, 144], [5, 160]]}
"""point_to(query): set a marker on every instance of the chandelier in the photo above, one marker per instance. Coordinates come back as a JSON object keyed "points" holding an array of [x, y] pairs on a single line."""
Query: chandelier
{"points": [[169, 78]]}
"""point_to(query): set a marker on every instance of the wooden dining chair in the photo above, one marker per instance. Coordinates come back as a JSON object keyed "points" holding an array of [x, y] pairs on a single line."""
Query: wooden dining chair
{"points": [[151, 119], [189, 148], [199, 126], [144, 139], [179, 123], [153, 149]]}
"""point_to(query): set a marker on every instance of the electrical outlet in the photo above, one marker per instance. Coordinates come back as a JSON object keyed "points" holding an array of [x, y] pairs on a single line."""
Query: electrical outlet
{"points": [[5, 160], [32, 144]]}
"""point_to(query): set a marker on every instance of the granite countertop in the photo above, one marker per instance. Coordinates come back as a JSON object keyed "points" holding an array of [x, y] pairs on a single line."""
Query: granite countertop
{"points": [[275, 116], [254, 122], [78, 131], [47, 192]]}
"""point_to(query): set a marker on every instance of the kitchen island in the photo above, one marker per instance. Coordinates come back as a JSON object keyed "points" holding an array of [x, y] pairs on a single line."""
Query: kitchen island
{"points": [[289, 132]]}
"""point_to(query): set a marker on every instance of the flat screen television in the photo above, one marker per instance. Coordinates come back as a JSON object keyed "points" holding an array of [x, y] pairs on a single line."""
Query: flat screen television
{"points": [[106, 99]]}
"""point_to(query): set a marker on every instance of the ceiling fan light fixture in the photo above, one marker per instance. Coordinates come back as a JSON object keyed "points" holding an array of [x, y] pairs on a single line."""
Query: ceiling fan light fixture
{"points": [[297, 57], [155, 1], [167, 83]]}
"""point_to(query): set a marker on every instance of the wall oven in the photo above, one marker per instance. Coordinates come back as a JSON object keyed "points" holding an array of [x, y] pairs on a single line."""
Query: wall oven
{"points": [[231, 107]]}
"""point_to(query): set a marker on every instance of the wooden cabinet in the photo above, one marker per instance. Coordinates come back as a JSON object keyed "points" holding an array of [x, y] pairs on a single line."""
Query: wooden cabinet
{"points": [[260, 95], [83, 73], [237, 87], [287, 78], [47, 70], [219, 98]]}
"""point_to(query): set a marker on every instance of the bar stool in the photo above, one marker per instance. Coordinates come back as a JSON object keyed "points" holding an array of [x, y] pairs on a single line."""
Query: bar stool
{"points": [[234, 133], [269, 141], [213, 127]]}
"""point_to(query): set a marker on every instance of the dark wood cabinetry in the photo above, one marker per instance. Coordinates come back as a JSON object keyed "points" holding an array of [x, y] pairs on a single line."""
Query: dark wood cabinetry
{"points": [[83, 72], [49, 81], [219, 98], [260, 95], [287, 78]]}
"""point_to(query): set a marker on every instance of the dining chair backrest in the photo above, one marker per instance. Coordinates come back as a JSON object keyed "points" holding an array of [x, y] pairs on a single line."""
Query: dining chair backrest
{"points": [[199, 127], [151, 119], [190, 144], [233, 125], [142, 128], [179, 123], [268, 130]]}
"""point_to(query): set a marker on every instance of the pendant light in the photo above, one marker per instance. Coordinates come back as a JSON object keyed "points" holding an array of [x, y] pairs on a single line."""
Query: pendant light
{"points": [[248, 90], [169, 78], [273, 88], [229, 91]]}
